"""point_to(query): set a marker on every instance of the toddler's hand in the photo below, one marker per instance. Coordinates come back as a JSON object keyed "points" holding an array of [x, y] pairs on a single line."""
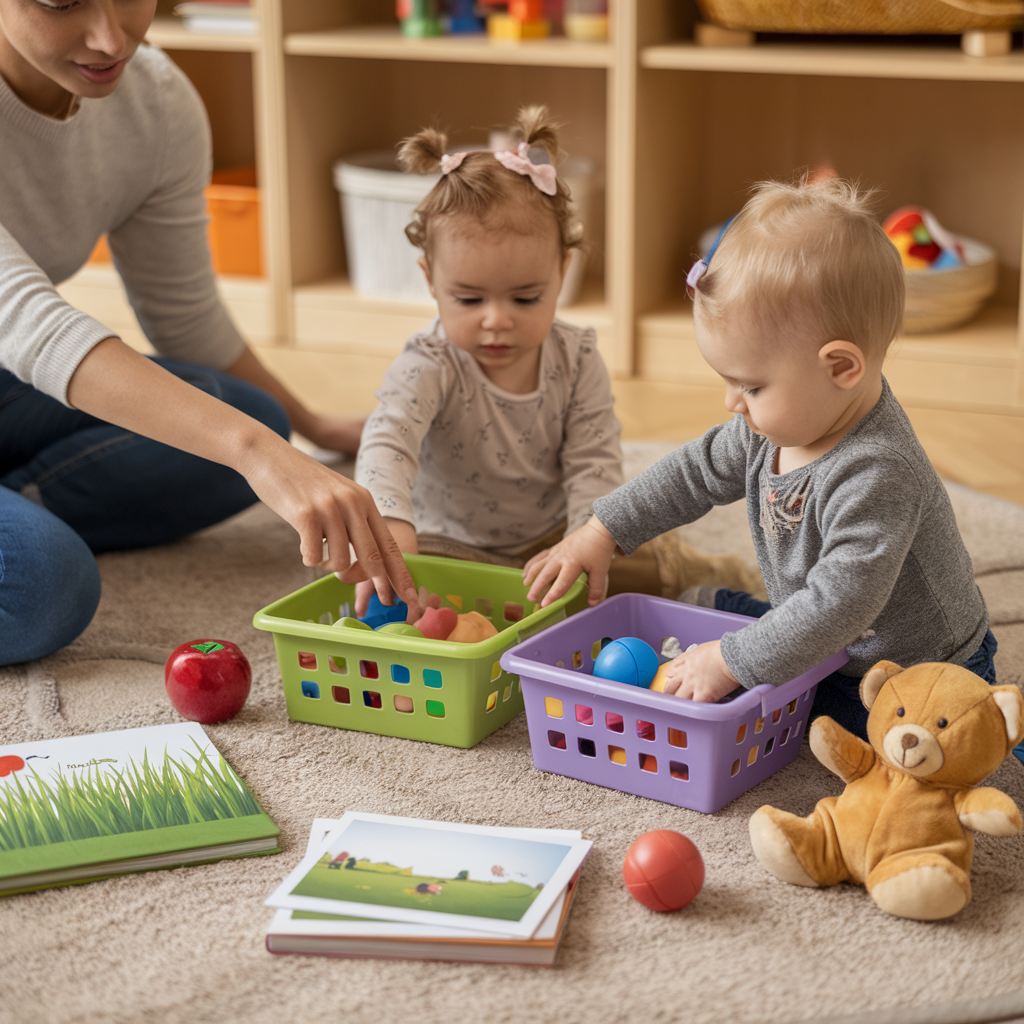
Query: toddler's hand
{"points": [[700, 674], [588, 549]]}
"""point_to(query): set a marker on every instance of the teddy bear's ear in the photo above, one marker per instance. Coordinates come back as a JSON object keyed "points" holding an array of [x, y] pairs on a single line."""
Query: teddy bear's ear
{"points": [[874, 679], [1010, 702]]}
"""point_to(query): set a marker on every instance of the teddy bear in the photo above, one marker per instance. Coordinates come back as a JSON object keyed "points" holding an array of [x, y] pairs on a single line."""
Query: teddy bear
{"points": [[903, 826]]}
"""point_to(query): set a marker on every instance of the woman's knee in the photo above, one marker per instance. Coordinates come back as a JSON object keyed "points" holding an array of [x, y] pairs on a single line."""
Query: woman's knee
{"points": [[49, 584]]}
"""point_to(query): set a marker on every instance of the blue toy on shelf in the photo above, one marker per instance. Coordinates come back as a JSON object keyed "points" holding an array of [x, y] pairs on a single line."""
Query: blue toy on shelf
{"points": [[377, 613], [1018, 752], [627, 660]]}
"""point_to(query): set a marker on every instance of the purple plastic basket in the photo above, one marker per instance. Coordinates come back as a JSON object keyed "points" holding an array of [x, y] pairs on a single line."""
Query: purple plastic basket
{"points": [[681, 752]]}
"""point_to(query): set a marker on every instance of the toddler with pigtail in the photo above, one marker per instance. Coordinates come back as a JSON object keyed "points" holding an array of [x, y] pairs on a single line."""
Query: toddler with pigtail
{"points": [[495, 428]]}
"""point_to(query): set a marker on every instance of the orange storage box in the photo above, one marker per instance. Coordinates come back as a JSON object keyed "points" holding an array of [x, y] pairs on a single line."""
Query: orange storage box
{"points": [[233, 202]]}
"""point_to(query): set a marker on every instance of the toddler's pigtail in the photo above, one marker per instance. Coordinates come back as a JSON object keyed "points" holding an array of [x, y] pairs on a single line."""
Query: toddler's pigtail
{"points": [[535, 126], [421, 153]]}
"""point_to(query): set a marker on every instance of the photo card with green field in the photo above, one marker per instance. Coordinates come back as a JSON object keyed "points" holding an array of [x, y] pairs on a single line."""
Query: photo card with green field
{"points": [[435, 873]]}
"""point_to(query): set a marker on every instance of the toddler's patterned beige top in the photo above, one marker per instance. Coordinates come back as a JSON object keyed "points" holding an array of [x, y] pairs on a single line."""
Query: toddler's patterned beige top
{"points": [[451, 453]]}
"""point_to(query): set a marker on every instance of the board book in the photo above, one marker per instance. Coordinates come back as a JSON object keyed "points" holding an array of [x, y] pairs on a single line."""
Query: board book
{"points": [[367, 936], [80, 808]]}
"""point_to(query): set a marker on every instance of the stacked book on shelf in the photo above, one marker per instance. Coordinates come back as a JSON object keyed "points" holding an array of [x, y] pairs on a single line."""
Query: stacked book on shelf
{"points": [[372, 885], [222, 17]]}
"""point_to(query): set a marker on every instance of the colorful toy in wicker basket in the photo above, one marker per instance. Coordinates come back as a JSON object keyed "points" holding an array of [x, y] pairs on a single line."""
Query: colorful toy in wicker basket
{"points": [[948, 276], [903, 825]]}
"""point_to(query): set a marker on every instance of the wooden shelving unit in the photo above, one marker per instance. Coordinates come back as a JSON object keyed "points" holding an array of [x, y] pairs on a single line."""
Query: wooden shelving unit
{"points": [[680, 132]]}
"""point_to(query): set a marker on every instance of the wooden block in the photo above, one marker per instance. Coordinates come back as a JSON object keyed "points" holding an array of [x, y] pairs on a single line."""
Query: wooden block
{"points": [[977, 43], [705, 34], [505, 28]]}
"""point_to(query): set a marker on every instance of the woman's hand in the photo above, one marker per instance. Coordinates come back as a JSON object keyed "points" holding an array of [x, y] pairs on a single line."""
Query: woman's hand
{"points": [[700, 674], [588, 549], [333, 433], [405, 537]]}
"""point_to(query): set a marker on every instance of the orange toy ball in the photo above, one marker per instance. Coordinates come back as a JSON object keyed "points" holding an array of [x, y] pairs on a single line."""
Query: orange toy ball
{"points": [[663, 870]]}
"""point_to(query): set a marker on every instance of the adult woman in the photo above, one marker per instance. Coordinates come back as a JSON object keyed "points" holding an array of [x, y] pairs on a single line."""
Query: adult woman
{"points": [[100, 447]]}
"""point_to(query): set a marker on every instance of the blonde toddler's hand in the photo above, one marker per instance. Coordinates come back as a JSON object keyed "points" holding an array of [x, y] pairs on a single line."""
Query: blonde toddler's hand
{"points": [[588, 549], [700, 674]]}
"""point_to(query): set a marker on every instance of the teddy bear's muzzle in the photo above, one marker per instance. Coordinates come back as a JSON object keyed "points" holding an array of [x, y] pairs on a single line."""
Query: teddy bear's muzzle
{"points": [[913, 749]]}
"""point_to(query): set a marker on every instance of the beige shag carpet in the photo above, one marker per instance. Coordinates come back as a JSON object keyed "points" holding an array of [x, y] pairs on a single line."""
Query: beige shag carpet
{"points": [[186, 946]]}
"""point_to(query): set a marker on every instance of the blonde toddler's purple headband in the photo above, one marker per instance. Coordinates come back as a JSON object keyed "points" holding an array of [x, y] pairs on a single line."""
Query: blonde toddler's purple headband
{"points": [[544, 176]]}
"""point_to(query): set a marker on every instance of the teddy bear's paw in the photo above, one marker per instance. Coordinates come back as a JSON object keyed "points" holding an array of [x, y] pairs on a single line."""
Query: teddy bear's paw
{"points": [[927, 892], [774, 851]]}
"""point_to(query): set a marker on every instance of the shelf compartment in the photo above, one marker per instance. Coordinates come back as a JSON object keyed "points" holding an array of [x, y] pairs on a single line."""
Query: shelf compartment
{"points": [[836, 61], [385, 42], [170, 34], [976, 362]]}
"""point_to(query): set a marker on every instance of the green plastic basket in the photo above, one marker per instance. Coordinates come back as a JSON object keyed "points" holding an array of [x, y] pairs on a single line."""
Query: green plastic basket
{"points": [[356, 679]]}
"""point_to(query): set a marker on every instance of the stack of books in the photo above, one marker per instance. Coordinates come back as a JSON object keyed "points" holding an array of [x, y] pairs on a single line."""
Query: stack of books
{"points": [[373, 885], [223, 17]]}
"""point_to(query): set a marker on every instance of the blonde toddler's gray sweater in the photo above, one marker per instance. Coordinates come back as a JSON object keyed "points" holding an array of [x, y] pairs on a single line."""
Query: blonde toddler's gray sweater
{"points": [[859, 549]]}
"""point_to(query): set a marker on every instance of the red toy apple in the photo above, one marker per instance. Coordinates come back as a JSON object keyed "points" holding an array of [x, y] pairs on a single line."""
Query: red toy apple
{"points": [[663, 870], [207, 680]]}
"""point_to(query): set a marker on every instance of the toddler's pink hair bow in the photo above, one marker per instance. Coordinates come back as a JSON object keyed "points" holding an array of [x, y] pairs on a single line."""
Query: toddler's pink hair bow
{"points": [[544, 176]]}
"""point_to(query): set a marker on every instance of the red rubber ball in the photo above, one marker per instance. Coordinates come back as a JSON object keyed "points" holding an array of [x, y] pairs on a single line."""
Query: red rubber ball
{"points": [[663, 870]]}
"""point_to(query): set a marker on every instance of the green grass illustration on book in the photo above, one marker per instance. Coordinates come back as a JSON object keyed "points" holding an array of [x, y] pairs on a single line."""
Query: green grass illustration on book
{"points": [[34, 812], [360, 881]]}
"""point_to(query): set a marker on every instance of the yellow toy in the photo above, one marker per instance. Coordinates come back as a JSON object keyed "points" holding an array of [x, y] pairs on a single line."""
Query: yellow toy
{"points": [[903, 825], [471, 628]]}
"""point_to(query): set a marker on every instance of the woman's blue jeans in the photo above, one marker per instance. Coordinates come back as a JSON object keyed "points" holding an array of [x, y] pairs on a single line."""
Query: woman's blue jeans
{"points": [[838, 696], [72, 486]]}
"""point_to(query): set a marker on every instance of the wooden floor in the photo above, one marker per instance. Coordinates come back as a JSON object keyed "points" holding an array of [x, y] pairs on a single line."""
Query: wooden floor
{"points": [[981, 450]]}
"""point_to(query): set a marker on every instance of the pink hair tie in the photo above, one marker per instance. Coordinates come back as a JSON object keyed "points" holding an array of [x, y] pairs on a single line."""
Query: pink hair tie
{"points": [[451, 161], [544, 176]]}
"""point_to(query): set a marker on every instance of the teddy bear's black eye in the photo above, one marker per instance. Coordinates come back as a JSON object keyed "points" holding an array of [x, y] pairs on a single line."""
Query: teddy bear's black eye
{"points": [[899, 712], [943, 723]]}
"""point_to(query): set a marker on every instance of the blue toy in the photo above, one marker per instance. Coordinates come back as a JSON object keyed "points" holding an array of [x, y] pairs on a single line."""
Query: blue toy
{"points": [[627, 660], [377, 613]]}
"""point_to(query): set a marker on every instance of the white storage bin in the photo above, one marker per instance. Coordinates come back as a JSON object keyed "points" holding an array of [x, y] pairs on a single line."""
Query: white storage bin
{"points": [[378, 200]]}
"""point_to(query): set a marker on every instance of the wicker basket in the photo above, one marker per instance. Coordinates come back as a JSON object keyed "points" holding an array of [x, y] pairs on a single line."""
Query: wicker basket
{"points": [[940, 299], [887, 17]]}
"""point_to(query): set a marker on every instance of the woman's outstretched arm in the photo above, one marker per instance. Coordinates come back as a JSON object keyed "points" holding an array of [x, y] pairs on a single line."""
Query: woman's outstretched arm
{"points": [[117, 384]]}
